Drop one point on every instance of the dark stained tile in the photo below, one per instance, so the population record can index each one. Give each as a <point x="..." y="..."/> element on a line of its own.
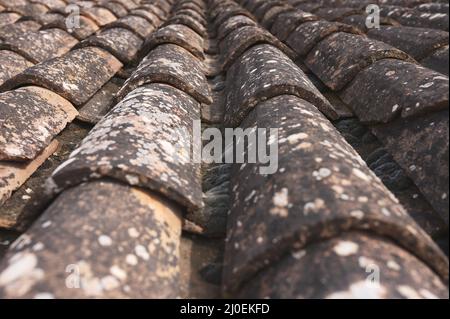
<point x="305" y="273"/>
<point x="391" y="87"/>
<point x="41" y="45"/>
<point x="264" y="72"/>
<point x="421" y="146"/>
<point x="100" y="104"/>
<point x="341" y="56"/>
<point x="287" y="22"/>
<point x="405" y="39"/>
<point x="272" y="213"/>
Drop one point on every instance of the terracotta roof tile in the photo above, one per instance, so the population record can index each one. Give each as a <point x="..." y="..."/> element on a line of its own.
<point x="41" y="45"/>
<point x="31" y="117"/>
<point x="76" y="76"/>
<point x="171" y="64"/>
<point x="12" y="64"/>
<point x="146" y="116"/>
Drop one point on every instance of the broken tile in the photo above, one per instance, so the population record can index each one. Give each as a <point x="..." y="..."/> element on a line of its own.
<point x="174" y="65"/>
<point x="264" y="72"/>
<point x="137" y="143"/>
<point x="75" y="76"/>
<point x="30" y="118"/>
<point x="341" y="56"/>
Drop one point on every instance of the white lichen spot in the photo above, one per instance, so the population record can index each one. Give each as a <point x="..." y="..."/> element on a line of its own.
<point x="118" y="272"/>
<point x="104" y="240"/>
<point x="313" y="207"/>
<point x="393" y="265"/>
<point x="395" y="108"/>
<point x="346" y="248"/>
<point x="109" y="283"/>
<point x="281" y="202"/>
<point x="358" y="214"/>
<point x="132" y="232"/>
<point x="299" y="254"/>
<point x="141" y="252"/>
<point x="295" y="138"/>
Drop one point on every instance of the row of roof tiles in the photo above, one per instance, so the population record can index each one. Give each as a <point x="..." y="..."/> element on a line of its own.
<point x="131" y="147"/>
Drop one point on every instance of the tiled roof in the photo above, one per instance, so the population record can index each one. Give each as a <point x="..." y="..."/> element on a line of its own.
<point x="96" y="201"/>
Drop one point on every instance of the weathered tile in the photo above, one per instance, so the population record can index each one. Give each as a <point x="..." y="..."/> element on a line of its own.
<point x="200" y="17"/>
<point x="15" y="30"/>
<point x="122" y="43"/>
<point x="174" y="65"/>
<point x="340" y="57"/>
<point x="421" y="146"/>
<point x="97" y="240"/>
<point x="391" y="87"/>
<point x="99" y="15"/>
<point x="333" y="192"/>
<point x="405" y="39"/>
<point x="302" y="274"/>
<point x="233" y="23"/>
<point x="116" y="8"/>
<point x="128" y="4"/>
<point x="438" y="61"/>
<point x="136" y="144"/>
<point x="228" y="12"/>
<point x="188" y="21"/>
<point x="52" y="4"/>
<point x="138" y="25"/>
<point x="433" y="7"/>
<point x="286" y="22"/>
<point x="415" y="18"/>
<point x="336" y="14"/>
<point x="306" y="36"/>
<point x="100" y="104"/>
<point x="87" y="27"/>
<point x="240" y="40"/>
<point x="42" y="45"/>
<point x="11" y="65"/>
<point x="156" y="10"/>
<point x="30" y="118"/>
<point x="14" y="174"/>
<point x="178" y="34"/>
<point x="75" y="76"/>
<point x="269" y="18"/>
<point x="264" y="72"/>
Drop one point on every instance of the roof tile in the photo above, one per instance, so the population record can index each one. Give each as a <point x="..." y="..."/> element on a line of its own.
<point x="30" y="118"/>
<point x="75" y="76"/>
